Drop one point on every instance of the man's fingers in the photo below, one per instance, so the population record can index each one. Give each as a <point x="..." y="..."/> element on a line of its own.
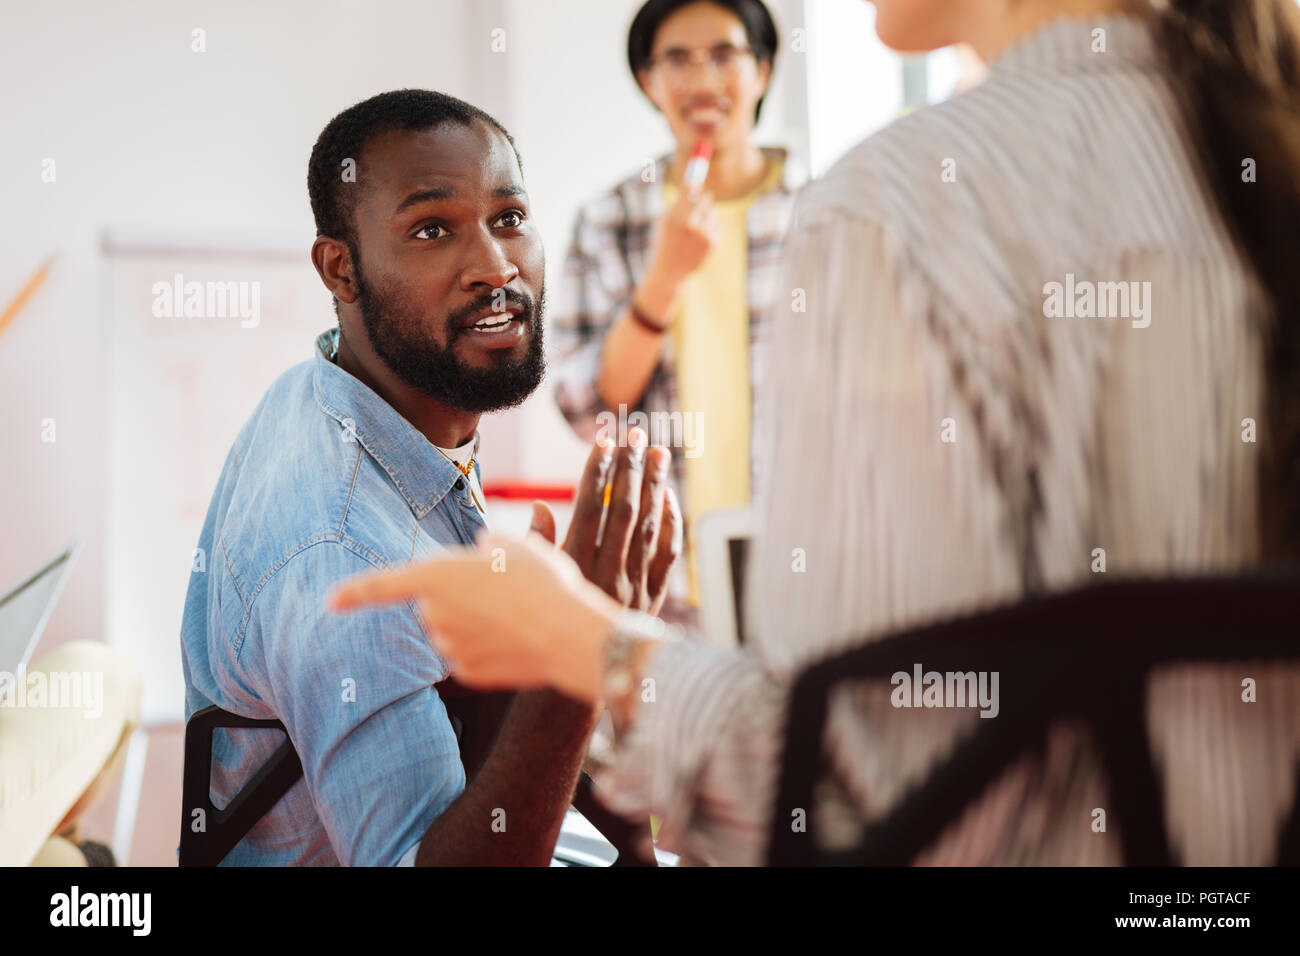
<point x="580" y="541"/>
<point x="543" y="521"/>
<point x="645" y="538"/>
<point x="666" y="551"/>
<point x="624" y="503"/>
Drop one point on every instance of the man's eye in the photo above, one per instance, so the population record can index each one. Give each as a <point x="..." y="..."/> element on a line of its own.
<point x="512" y="219"/>
<point x="425" y="228"/>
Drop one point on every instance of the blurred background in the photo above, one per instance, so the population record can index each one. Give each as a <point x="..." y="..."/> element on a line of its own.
<point x="132" y="156"/>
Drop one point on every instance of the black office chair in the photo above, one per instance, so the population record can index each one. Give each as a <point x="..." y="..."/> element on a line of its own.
<point x="223" y="828"/>
<point x="475" y="719"/>
<point x="1088" y="654"/>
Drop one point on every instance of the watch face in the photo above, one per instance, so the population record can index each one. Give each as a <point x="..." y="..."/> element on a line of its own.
<point x="619" y="681"/>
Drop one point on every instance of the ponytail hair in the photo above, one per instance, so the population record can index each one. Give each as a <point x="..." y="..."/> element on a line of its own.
<point x="1235" y="66"/>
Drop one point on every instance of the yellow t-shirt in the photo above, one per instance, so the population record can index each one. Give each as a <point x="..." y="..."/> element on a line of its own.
<point x="711" y="347"/>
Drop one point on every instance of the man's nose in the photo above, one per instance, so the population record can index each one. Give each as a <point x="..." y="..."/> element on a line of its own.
<point x="701" y="79"/>
<point x="487" y="265"/>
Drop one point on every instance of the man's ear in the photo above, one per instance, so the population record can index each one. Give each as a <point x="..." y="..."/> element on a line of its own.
<point x="333" y="262"/>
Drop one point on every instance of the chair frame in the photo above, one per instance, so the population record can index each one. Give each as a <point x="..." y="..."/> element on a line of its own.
<point x="225" y="827"/>
<point x="1089" y="653"/>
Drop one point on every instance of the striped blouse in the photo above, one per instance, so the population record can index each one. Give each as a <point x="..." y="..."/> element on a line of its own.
<point x="1028" y="337"/>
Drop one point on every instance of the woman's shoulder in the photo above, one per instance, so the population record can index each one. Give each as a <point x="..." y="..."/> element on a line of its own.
<point x="1022" y="161"/>
<point x="914" y="159"/>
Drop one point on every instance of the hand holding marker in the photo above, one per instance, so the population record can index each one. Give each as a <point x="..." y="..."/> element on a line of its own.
<point x="697" y="168"/>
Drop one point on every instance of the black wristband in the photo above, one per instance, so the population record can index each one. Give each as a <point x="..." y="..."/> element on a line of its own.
<point x="644" y="320"/>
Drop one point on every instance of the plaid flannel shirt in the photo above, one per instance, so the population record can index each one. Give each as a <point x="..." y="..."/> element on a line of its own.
<point x="607" y="258"/>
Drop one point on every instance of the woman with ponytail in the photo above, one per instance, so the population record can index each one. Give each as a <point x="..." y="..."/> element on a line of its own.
<point x="1052" y="333"/>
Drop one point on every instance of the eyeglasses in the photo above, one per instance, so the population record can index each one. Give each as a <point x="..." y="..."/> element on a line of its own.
<point x="725" y="59"/>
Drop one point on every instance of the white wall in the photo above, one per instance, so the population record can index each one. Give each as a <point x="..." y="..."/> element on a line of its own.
<point x="855" y="83"/>
<point x="151" y="138"/>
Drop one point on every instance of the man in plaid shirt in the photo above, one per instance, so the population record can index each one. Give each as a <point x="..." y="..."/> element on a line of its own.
<point x="608" y="257"/>
<point x="666" y="297"/>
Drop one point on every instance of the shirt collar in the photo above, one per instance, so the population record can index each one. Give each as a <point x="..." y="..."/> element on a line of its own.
<point x="1071" y="45"/>
<point x="419" y="471"/>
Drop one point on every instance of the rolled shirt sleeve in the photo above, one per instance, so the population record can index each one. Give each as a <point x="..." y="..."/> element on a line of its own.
<point x="355" y="693"/>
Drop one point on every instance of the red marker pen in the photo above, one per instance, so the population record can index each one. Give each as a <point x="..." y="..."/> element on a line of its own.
<point x="697" y="168"/>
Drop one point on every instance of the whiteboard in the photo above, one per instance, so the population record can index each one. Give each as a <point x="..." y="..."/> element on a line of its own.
<point x="179" y="389"/>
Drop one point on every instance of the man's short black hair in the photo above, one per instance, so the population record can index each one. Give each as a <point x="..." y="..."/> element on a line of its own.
<point x="760" y="31"/>
<point x="346" y="135"/>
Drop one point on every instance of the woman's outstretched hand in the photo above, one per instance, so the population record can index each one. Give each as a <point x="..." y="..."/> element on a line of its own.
<point x="507" y="614"/>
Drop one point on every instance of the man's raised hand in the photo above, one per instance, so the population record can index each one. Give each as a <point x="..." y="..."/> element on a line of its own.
<point x="631" y="556"/>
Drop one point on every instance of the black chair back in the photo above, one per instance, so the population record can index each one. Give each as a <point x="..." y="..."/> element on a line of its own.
<point x="209" y="834"/>
<point x="1084" y="653"/>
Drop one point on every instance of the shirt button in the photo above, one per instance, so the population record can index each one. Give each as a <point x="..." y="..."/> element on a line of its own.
<point x="460" y="484"/>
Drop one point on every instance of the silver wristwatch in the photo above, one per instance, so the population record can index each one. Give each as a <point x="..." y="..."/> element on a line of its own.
<point x="629" y="628"/>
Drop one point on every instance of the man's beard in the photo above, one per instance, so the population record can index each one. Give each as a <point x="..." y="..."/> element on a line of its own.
<point x="399" y="338"/>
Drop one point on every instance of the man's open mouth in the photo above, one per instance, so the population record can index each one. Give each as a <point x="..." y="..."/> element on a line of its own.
<point x="707" y="112"/>
<point x="493" y="322"/>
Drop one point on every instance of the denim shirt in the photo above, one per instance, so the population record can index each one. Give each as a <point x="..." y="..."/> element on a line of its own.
<point x="325" y="480"/>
